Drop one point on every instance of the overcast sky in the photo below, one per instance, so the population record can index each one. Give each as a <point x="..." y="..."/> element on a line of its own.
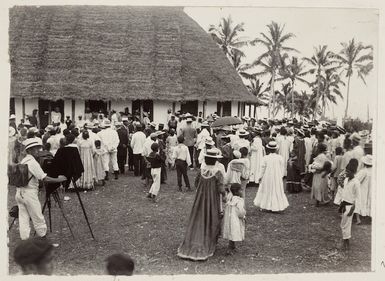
<point x="312" y="27"/>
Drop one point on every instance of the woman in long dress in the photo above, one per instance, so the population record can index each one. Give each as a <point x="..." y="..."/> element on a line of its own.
<point x="270" y="195"/>
<point x="204" y="224"/>
<point x="296" y="164"/>
<point x="257" y="153"/>
<point x="285" y="145"/>
<point x="320" y="188"/>
<point x="85" y="145"/>
<point x="171" y="143"/>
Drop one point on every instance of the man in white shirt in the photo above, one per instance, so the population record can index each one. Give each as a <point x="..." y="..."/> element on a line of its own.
<point x="27" y="198"/>
<point x="80" y="122"/>
<point x="56" y="116"/>
<point x="137" y="144"/>
<point x="110" y="142"/>
<point x="181" y="155"/>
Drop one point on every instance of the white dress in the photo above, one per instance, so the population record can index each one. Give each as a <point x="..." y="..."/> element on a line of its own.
<point x="270" y="195"/>
<point x="233" y="227"/>
<point x="256" y="159"/>
<point x="364" y="205"/>
<point x="285" y="145"/>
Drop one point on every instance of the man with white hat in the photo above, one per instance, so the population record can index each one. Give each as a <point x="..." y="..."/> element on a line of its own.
<point x="209" y="143"/>
<point x="190" y="137"/>
<point x="202" y="136"/>
<point x="110" y="142"/>
<point x="242" y="141"/>
<point x="358" y="151"/>
<point x="27" y="197"/>
<point x="12" y="121"/>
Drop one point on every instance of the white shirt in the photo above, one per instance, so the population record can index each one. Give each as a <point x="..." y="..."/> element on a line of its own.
<point x="351" y="191"/>
<point x="34" y="170"/>
<point x="181" y="152"/>
<point x="110" y="139"/>
<point x="137" y="142"/>
<point x="55" y="117"/>
<point x="201" y="138"/>
<point x="147" y="147"/>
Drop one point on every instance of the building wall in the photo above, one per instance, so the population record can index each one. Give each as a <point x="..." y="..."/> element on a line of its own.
<point x="211" y="107"/>
<point x="160" y="111"/>
<point x="68" y="109"/>
<point x="79" y="108"/>
<point x="234" y="108"/>
<point x="31" y="104"/>
<point x="18" y="110"/>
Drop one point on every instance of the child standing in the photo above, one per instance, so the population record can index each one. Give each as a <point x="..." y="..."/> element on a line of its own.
<point x="233" y="228"/>
<point x="350" y="198"/>
<point x="156" y="163"/>
<point x="336" y="170"/>
<point x="99" y="170"/>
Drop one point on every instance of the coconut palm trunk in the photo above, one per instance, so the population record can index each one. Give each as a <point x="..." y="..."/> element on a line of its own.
<point x="347" y="98"/>
<point x="272" y="93"/>
<point x="292" y="99"/>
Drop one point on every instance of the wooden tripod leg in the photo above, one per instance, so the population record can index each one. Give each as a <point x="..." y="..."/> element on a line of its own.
<point x="57" y="199"/>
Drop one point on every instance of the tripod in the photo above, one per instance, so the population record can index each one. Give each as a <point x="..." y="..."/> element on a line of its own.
<point x="57" y="199"/>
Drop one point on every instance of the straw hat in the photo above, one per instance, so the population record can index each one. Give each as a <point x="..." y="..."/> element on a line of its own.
<point x="243" y="133"/>
<point x="355" y="137"/>
<point x="367" y="160"/>
<point x="300" y="132"/>
<point x="205" y="124"/>
<point x="272" y="145"/>
<point x="213" y="153"/>
<point x="32" y="142"/>
<point x="107" y="123"/>
<point x="13" y="116"/>
<point x="209" y="141"/>
<point x="11" y="131"/>
<point x="189" y="120"/>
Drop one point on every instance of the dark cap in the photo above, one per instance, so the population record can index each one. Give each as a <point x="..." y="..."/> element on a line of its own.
<point x="32" y="250"/>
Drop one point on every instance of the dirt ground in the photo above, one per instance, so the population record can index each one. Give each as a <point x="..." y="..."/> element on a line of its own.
<point x="304" y="238"/>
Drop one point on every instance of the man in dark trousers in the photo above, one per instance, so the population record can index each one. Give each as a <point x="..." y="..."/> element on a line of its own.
<point x="123" y="145"/>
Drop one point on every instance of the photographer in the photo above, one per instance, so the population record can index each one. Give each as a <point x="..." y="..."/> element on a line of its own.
<point x="27" y="197"/>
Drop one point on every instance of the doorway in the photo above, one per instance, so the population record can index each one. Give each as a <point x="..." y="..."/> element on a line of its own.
<point x="190" y="107"/>
<point x="45" y="108"/>
<point x="148" y="106"/>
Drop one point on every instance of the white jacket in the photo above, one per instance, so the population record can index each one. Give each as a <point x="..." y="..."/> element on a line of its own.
<point x="110" y="139"/>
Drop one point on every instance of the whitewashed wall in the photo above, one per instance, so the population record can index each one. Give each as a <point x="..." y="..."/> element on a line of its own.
<point x="68" y="109"/>
<point x="234" y="108"/>
<point x="211" y="107"/>
<point x="79" y="108"/>
<point x="18" y="110"/>
<point x="31" y="104"/>
<point x="160" y="111"/>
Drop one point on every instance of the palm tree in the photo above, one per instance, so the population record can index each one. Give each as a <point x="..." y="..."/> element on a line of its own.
<point x="294" y="71"/>
<point x="282" y="98"/>
<point x="330" y="89"/>
<point x="256" y="88"/>
<point x="352" y="59"/>
<point x="322" y="61"/>
<point x="226" y="35"/>
<point x="272" y="59"/>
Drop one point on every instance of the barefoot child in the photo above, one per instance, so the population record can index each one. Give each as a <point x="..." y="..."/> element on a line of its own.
<point x="234" y="217"/>
<point x="350" y="197"/>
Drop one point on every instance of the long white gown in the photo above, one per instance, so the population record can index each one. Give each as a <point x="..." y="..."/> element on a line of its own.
<point x="256" y="157"/>
<point x="270" y="195"/>
<point x="285" y="145"/>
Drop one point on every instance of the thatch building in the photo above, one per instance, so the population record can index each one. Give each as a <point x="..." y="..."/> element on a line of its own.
<point x="113" y="57"/>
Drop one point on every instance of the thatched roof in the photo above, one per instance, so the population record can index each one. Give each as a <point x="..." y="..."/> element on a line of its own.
<point x="116" y="53"/>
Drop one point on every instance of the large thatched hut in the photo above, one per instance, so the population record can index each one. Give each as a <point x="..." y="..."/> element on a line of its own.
<point x="100" y="57"/>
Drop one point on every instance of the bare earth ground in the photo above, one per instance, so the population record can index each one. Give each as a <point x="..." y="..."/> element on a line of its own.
<point x="302" y="239"/>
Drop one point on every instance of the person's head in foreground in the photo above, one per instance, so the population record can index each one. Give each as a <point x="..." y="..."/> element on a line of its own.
<point x="120" y="264"/>
<point x="351" y="168"/>
<point x="35" y="256"/>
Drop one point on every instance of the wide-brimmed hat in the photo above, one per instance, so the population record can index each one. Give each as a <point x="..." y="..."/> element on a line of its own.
<point x="225" y="137"/>
<point x="11" y="131"/>
<point x="33" y="130"/>
<point x="107" y="123"/>
<point x="205" y="124"/>
<point x="300" y="132"/>
<point x="341" y="129"/>
<point x="158" y="133"/>
<point x="153" y="124"/>
<point x="145" y="114"/>
<point x="209" y="141"/>
<point x="12" y="116"/>
<point x="272" y="145"/>
<point x="237" y="154"/>
<point x="213" y="153"/>
<point x="367" y="160"/>
<point x="189" y="119"/>
<point x="246" y="118"/>
<point x="124" y="119"/>
<point x="32" y="142"/>
<point x="117" y="124"/>
<point x="89" y="125"/>
<point x="355" y="137"/>
<point x="49" y="128"/>
<point x="243" y="133"/>
<point x="153" y="135"/>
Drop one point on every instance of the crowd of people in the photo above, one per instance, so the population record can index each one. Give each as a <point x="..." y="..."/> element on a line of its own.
<point x="274" y="155"/>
